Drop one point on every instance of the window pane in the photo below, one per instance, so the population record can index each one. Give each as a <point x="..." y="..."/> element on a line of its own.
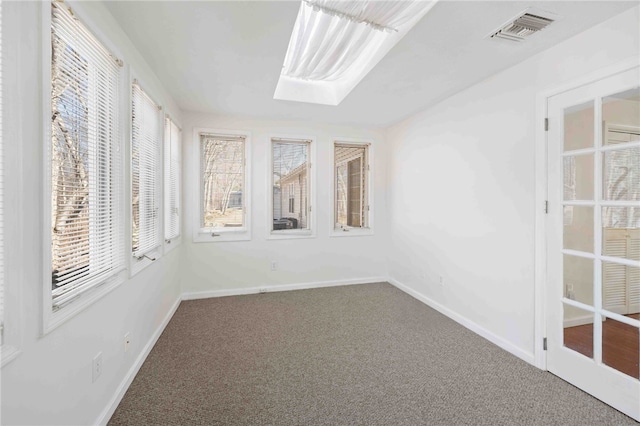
<point x="578" y="126"/>
<point x="222" y="181"/>
<point x="622" y="175"/>
<point x="172" y="164"/>
<point x="350" y="191"/>
<point x="578" y="177"/>
<point x="578" y="228"/>
<point x="578" y="279"/>
<point x="290" y="185"/>
<point x="621" y="346"/>
<point x="621" y="116"/>
<point x="145" y="162"/>
<point x="578" y="330"/>
<point x="620" y="288"/>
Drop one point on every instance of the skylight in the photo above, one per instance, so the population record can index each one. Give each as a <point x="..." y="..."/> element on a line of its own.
<point x="335" y="43"/>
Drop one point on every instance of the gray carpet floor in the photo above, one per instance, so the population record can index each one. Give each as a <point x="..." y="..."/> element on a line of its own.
<point x="354" y="355"/>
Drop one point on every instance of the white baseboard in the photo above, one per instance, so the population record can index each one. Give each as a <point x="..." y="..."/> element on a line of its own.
<point x="581" y="320"/>
<point x="122" y="389"/>
<point x="466" y="322"/>
<point x="281" y="287"/>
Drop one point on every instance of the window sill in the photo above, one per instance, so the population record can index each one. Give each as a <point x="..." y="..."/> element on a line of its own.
<point x="172" y="244"/>
<point x="291" y="235"/>
<point x="206" y="236"/>
<point x="55" y="319"/>
<point x="7" y="354"/>
<point x="137" y="265"/>
<point x="352" y="232"/>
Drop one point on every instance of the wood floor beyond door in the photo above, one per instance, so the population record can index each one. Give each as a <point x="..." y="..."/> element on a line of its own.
<point x="620" y="344"/>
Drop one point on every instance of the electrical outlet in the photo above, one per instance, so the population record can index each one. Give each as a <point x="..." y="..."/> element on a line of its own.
<point x="97" y="367"/>
<point x="262" y="290"/>
<point x="274" y="265"/>
<point x="127" y="342"/>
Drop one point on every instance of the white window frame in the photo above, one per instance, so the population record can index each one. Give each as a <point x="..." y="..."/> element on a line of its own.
<point x="172" y="243"/>
<point x="369" y="199"/>
<point x="51" y="319"/>
<point x="206" y="235"/>
<point x="286" y="234"/>
<point x="11" y="155"/>
<point x="140" y="262"/>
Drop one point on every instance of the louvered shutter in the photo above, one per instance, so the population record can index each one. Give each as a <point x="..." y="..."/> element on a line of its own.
<point x="86" y="181"/>
<point x="621" y="283"/>
<point x="145" y="163"/>
<point x="172" y="161"/>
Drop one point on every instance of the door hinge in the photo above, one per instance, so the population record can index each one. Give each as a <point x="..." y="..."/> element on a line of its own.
<point x="546" y="124"/>
<point x="544" y="343"/>
<point x="546" y="207"/>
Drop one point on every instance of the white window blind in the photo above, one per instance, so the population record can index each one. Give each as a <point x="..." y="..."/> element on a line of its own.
<point x="223" y="181"/>
<point x="86" y="182"/>
<point x="145" y="163"/>
<point x="172" y="170"/>
<point x="351" y="198"/>
<point x="291" y="184"/>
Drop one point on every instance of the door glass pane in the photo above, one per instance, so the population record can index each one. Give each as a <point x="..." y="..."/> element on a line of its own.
<point x="578" y="279"/>
<point x="578" y="330"/>
<point x="621" y="232"/>
<point x="620" y="288"/>
<point x="578" y="126"/>
<point x="621" y="174"/>
<point x="578" y="177"/>
<point x="578" y="228"/>
<point x="621" y="346"/>
<point x="621" y="117"/>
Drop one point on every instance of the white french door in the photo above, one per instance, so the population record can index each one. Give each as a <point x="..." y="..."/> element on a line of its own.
<point x="593" y="239"/>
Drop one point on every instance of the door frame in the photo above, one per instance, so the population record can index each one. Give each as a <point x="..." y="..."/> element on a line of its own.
<point x="540" y="237"/>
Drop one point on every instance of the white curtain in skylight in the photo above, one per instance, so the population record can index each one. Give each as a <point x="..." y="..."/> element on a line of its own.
<point x="330" y="37"/>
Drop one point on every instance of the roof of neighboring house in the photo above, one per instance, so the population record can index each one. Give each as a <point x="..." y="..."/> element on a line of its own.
<point x="302" y="168"/>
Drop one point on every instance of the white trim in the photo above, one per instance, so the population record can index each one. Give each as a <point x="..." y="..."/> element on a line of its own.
<point x="541" y="196"/>
<point x="466" y="322"/>
<point x="270" y="288"/>
<point x="310" y="232"/>
<point x="13" y="123"/>
<point x="106" y="414"/>
<point x="244" y="233"/>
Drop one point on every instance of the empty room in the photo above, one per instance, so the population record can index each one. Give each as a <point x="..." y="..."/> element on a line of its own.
<point x="320" y="212"/>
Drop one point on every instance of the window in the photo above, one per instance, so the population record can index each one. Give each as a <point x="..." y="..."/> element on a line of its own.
<point x="351" y="164"/>
<point x="172" y="161"/>
<point x="86" y="228"/>
<point x="145" y="163"/>
<point x="224" y="194"/>
<point x="291" y="185"/>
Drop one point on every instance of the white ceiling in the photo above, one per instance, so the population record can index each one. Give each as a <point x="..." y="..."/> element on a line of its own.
<point x="225" y="56"/>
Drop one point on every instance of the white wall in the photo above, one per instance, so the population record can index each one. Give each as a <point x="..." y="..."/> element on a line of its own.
<point x="50" y="380"/>
<point x="461" y="193"/>
<point x="239" y="266"/>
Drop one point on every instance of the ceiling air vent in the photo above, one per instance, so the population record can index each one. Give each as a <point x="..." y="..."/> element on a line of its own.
<point x="524" y="25"/>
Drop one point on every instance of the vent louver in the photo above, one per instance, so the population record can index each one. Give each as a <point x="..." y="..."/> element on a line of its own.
<point x="522" y="27"/>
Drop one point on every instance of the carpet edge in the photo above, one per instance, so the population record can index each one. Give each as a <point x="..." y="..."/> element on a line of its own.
<point x="194" y="295"/>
